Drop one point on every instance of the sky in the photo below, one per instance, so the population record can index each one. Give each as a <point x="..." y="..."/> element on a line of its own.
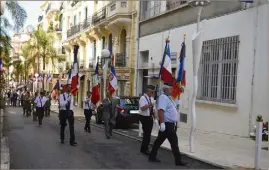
<point x="32" y="9"/>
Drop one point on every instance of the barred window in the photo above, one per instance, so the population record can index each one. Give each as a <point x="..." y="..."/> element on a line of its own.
<point x="218" y="70"/>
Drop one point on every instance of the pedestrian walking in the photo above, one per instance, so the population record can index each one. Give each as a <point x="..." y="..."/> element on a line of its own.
<point x="146" y="116"/>
<point x="88" y="112"/>
<point x="66" y="103"/>
<point x="40" y="106"/>
<point x="23" y="103"/>
<point x="27" y="104"/>
<point x="48" y="105"/>
<point x="168" y="117"/>
<point x="108" y="116"/>
<point x="34" y="106"/>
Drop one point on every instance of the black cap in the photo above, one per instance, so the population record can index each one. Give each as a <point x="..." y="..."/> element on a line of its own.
<point x="168" y="84"/>
<point x="151" y="87"/>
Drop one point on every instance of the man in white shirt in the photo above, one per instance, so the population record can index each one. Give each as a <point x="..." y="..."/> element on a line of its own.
<point x="40" y="105"/>
<point x="146" y="117"/>
<point x="88" y="106"/>
<point x="66" y="103"/>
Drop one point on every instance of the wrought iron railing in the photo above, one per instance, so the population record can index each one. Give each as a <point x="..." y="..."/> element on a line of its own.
<point x="87" y="23"/>
<point x="99" y="16"/>
<point x="174" y="4"/>
<point x="75" y="29"/>
<point x="120" y="60"/>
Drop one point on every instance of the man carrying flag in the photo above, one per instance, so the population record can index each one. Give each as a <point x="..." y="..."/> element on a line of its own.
<point x="167" y="111"/>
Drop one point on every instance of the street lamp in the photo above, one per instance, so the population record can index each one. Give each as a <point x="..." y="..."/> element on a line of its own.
<point x="105" y="55"/>
<point x="196" y="54"/>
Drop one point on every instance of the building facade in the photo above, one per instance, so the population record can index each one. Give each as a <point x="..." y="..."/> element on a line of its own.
<point x="50" y="20"/>
<point x="233" y="79"/>
<point x="97" y="25"/>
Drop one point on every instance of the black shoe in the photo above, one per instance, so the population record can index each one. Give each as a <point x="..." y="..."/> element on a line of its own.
<point x="85" y="129"/>
<point x="62" y="141"/>
<point x="145" y="152"/>
<point x="108" y="137"/>
<point x="181" y="163"/>
<point x="89" y="131"/>
<point x="73" y="143"/>
<point x="154" y="160"/>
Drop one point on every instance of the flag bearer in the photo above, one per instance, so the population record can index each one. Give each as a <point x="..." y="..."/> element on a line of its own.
<point x="146" y="117"/>
<point x="108" y="116"/>
<point x="168" y="117"/>
<point x="66" y="103"/>
<point x="88" y="112"/>
<point x="34" y="107"/>
<point x="40" y="106"/>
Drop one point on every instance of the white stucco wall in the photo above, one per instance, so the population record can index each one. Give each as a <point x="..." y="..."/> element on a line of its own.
<point x="216" y="117"/>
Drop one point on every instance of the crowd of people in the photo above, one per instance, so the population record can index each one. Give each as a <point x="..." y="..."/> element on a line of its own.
<point x="164" y="114"/>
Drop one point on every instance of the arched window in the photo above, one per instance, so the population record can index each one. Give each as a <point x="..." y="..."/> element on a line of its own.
<point x="123" y="42"/>
<point x="110" y="43"/>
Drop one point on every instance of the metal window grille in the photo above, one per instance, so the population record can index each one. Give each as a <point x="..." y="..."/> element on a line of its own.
<point x="173" y="4"/>
<point x="218" y="70"/>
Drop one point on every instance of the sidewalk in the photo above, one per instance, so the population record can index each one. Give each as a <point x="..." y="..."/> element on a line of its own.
<point x="224" y="150"/>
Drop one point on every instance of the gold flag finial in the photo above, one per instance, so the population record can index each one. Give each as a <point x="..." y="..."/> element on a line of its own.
<point x="184" y="36"/>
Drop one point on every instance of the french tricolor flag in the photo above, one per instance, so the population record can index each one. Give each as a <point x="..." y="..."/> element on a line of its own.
<point x="113" y="82"/>
<point x="74" y="73"/>
<point x="166" y="66"/>
<point x="95" y="86"/>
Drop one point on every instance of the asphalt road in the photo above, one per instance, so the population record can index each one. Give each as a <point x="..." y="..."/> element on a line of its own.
<point x="33" y="147"/>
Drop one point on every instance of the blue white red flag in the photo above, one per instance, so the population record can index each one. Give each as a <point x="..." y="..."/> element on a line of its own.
<point x="95" y="86"/>
<point x="166" y="66"/>
<point x="113" y="82"/>
<point x="74" y="73"/>
<point x="1" y="65"/>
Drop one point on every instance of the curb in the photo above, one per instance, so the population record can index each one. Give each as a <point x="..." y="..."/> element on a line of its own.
<point x="5" y="154"/>
<point x="168" y="149"/>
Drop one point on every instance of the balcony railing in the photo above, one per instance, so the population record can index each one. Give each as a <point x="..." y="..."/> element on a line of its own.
<point x="120" y="60"/>
<point x="74" y="29"/>
<point x="81" y="64"/>
<point x="87" y="23"/>
<point x="174" y="4"/>
<point x="40" y="18"/>
<point x="99" y="16"/>
<point x="117" y="7"/>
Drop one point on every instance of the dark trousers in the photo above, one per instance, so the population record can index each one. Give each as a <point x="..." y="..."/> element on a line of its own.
<point x="147" y="123"/>
<point x="67" y="115"/>
<point x="40" y="114"/>
<point x="34" y="115"/>
<point x="108" y="127"/>
<point x="170" y="134"/>
<point x="47" y="111"/>
<point x="88" y="116"/>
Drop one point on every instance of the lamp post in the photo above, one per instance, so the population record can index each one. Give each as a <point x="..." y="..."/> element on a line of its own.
<point x="196" y="53"/>
<point x="105" y="55"/>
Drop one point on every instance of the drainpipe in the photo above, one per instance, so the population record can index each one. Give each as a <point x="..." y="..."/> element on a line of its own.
<point x="253" y="66"/>
<point x="137" y="47"/>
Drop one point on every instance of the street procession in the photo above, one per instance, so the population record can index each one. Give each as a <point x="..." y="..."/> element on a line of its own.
<point x="133" y="84"/>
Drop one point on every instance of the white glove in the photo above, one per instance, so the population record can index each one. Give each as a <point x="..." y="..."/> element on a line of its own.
<point x="156" y="123"/>
<point x="162" y="127"/>
<point x="34" y="110"/>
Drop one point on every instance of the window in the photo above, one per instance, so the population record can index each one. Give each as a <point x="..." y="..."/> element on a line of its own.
<point x="94" y="49"/>
<point x="103" y="42"/>
<point x="150" y="9"/>
<point x="218" y="70"/>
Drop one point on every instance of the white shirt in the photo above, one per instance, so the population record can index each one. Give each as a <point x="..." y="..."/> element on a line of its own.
<point x="169" y="107"/>
<point x="64" y="99"/>
<point x="144" y="100"/>
<point x="40" y="101"/>
<point x="87" y="104"/>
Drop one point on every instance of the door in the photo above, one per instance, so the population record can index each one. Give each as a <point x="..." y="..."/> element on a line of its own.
<point x="110" y="43"/>
<point x="145" y="81"/>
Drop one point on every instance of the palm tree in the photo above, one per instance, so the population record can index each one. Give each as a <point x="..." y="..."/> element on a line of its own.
<point x="39" y="47"/>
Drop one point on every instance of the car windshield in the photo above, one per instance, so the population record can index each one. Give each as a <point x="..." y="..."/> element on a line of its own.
<point x="124" y="102"/>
